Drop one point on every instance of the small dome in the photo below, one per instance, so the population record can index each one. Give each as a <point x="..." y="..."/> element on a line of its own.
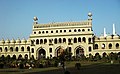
<point x="7" y="41"/>
<point x="116" y="36"/>
<point x="28" y="40"/>
<point x="109" y="37"/>
<point x="35" y="18"/>
<point x="102" y="37"/>
<point x="18" y="40"/>
<point x="12" y="41"/>
<point x="2" y="41"/>
<point x="23" y="40"/>
<point x="89" y="14"/>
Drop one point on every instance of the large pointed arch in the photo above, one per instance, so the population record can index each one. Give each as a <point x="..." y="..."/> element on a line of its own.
<point x="58" y="51"/>
<point x="41" y="53"/>
<point x="79" y="51"/>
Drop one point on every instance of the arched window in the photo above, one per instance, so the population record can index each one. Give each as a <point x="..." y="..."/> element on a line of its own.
<point x="75" y="30"/>
<point x="20" y="56"/>
<point x="103" y="46"/>
<point x="14" y="57"/>
<point x="104" y="54"/>
<point x="43" y="32"/>
<point x="22" y="48"/>
<point x="32" y="57"/>
<point x="84" y="39"/>
<point x="16" y="49"/>
<point x="41" y="41"/>
<point x="28" y="48"/>
<point x="55" y="40"/>
<point x="75" y="40"/>
<point x="32" y="50"/>
<point x="56" y="31"/>
<point x="64" y="40"/>
<point x="117" y="46"/>
<point x="34" y="32"/>
<point x="26" y="56"/>
<point x="69" y="40"/>
<point x="60" y="31"/>
<point x="88" y="29"/>
<point x="69" y="49"/>
<point x="39" y="32"/>
<point x="64" y="30"/>
<point x="6" y="49"/>
<point x="46" y="31"/>
<point x="50" y="50"/>
<point x="89" y="40"/>
<point x="79" y="39"/>
<point x="79" y="30"/>
<point x="69" y="30"/>
<point x="83" y="30"/>
<point x="11" y="49"/>
<point x="110" y="46"/>
<point x="45" y="41"/>
<point x="0" y="49"/>
<point x="60" y="40"/>
<point x="37" y="41"/>
<point x="90" y="49"/>
<point x="96" y="46"/>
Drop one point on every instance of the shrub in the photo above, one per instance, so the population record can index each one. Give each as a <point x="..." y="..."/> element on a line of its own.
<point x="66" y="72"/>
<point x="78" y="65"/>
<point x="56" y="63"/>
<point x="21" y="66"/>
<point x="40" y="65"/>
<point x="1" y="65"/>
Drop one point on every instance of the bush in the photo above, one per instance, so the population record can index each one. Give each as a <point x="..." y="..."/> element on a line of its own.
<point x="66" y="72"/>
<point x="21" y="66"/>
<point x="56" y="63"/>
<point x="78" y="65"/>
<point x="40" y="65"/>
<point x="1" y="65"/>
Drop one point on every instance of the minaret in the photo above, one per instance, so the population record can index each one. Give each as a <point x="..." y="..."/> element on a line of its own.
<point x="105" y="32"/>
<point x="114" y="30"/>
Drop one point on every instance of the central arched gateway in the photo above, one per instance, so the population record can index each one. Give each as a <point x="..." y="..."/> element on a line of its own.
<point x="79" y="51"/>
<point x="58" y="51"/>
<point x="41" y="53"/>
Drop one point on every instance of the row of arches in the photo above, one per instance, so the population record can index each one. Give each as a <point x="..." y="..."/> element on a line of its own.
<point x="63" y="40"/>
<point x="110" y="46"/>
<point x="104" y="54"/>
<point x="78" y="51"/>
<point x="11" y="49"/>
<point x="19" y="56"/>
<point x="62" y="31"/>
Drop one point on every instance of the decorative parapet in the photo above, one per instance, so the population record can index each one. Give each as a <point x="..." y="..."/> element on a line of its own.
<point x="62" y="24"/>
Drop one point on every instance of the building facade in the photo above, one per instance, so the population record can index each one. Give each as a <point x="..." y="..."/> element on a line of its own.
<point x="51" y="39"/>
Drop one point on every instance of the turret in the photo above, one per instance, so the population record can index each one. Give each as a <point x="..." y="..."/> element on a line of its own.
<point x="114" y="33"/>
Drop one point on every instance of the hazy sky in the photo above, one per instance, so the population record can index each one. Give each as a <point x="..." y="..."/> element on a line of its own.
<point x="16" y="16"/>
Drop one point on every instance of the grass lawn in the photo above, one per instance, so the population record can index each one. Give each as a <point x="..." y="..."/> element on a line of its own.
<point x="87" y="68"/>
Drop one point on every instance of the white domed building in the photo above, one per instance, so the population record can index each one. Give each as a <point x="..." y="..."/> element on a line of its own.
<point x="51" y="39"/>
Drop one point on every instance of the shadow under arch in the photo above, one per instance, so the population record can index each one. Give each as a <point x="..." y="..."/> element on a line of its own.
<point x="58" y="51"/>
<point x="41" y="53"/>
<point x="79" y="51"/>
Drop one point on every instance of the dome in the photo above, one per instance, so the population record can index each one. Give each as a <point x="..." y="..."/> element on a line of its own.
<point x="2" y="41"/>
<point x="28" y="40"/>
<point x="7" y="41"/>
<point x="23" y="40"/>
<point x="102" y="37"/>
<point x="89" y="14"/>
<point x="35" y="18"/>
<point x="116" y="36"/>
<point x="109" y="37"/>
<point x="12" y="41"/>
<point x="18" y="40"/>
